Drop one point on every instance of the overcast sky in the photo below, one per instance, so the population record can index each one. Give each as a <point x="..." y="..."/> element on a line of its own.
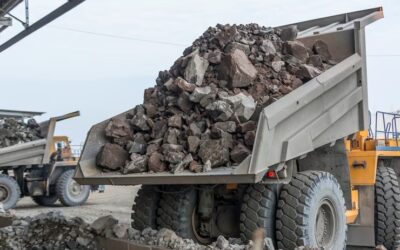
<point x="59" y="70"/>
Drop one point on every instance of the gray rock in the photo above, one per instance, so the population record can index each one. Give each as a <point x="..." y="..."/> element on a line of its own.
<point x="308" y="71"/>
<point x="182" y="165"/>
<point x="184" y="102"/>
<point x="193" y="144"/>
<point x="219" y="110"/>
<point x="199" y="93"/>
<point x="289" y="33"/>
<point x="194" y="129"/>
<point x="172" y="136"/>
<point x="102" y="223"/>
<point x="175" y="121"/>
<point x="139" y="145"/>
<point x="268" y="47"/>
<point x="228" y="126"/>
<point x="237" y="69"/>
<point x="244" y="106"/>
<point x="316" y="61"/>
<point x="170" y="85"/>
<point x="138" y="164"/>
<point x="227" y="35"/>
<point x="207" y="166"/>
<point x="215" y="151"/>
<point x="159" y="129"/>
<point x="206" y="100"/>
<point x="196" y="68"/>
<point x="183" y="85"/>
<point x="277" y="65"/>
<point x="222" y="243"/>
<point x="120" y="231"/>
<point x="139" y="122"/>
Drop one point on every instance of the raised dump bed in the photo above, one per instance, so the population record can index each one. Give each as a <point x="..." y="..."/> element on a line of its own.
<point x="327" y="108"/>
<point x="35" y="152"/>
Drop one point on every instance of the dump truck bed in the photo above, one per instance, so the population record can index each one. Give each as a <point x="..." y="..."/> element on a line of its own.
<point x="35" y="152"/>
<point x="327" y="108"/>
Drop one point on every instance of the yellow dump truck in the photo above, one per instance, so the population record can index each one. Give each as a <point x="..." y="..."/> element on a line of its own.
<point x="316" y="176"/>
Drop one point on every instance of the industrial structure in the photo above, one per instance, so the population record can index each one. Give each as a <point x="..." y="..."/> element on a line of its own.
<point x="8" y="20"/>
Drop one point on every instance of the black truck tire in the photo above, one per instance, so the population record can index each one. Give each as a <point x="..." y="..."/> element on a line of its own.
<point x="176" y="209"/>
<point x="387" y="208"/>
<point x="144" y="210"/>
<point x="258" y="211"/>
<point x="45" y="200"/>
<point x="10" y="193"/>
<point x="69" y="192"/>
<point x="311" y="212"/>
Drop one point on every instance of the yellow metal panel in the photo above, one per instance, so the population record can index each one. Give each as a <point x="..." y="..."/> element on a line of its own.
<point x="363" y="166"/>
<point x="351" y="215"/>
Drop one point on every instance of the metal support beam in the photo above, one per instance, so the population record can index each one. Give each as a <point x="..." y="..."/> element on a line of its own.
<point x="69" y="5"/>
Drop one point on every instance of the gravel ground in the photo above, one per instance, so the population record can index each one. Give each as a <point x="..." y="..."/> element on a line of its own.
<point x="116" y="201"/>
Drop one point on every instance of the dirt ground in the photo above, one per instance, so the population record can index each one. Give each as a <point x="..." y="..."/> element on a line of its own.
<point x="116" y="201"/>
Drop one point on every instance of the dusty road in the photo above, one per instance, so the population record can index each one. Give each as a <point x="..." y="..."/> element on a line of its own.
<point x="116" y="201"/>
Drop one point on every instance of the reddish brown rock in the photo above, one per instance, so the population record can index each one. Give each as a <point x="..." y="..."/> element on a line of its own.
<point x="297" y="49"/>
<point x="249" y="138"/>
<point x="237" y="70"/>
<point x="156" y="163"/>
<point x="239" y="153"/>
<point x="119" y="130"/>
<point x="195" y="167"/>
<point x="247" y="126"/>
<point x="112" y="157"/>
<point x="322" y="49"/>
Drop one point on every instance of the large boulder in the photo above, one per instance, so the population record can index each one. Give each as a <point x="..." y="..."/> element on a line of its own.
<point x="215" y="151"/>
<point x="112" y="157"/>
<point x="237" y="69"/>
<point x="196" y="68"/>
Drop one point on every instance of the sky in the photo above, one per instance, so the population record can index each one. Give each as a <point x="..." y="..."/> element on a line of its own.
<point x="68" y="66"/>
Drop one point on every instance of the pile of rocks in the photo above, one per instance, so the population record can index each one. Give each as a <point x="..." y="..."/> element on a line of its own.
<point x="54" y="231"/>
<point x="13" y="131"/>
<point x="203" y="112"/>
<point x="47" y="231"/>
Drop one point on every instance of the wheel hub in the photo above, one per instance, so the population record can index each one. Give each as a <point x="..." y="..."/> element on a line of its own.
<point x="200" y="229"/>
<point x="3" y="193"/>
<point x="325" y="224"/>
<point x="74" y="188"/>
